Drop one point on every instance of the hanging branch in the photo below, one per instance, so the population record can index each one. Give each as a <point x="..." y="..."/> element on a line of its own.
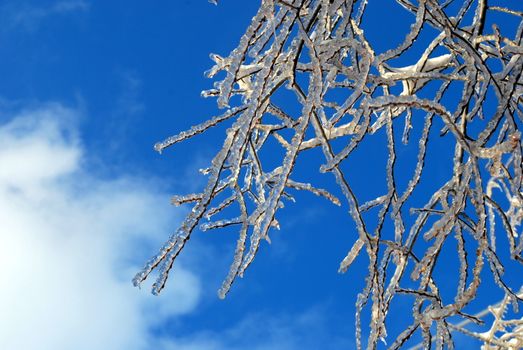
<point x="314" y="47"/>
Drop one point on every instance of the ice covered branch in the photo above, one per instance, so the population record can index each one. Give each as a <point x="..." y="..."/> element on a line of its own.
<point x="465" y="87"/>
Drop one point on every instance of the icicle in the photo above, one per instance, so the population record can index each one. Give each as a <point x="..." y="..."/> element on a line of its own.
<point x="317" y="191"/>
<point x="353" y="253"/>
<point x="198" y="129"/>
<point x="219" y="224"/>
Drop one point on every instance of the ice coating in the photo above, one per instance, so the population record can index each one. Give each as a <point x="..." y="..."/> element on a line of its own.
<point x="310" y="48"/>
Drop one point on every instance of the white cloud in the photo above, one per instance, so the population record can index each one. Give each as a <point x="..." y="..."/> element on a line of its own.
<point x="262" y="331"/>
<point x="69" y="243"/>
<point x="20" y="14"/>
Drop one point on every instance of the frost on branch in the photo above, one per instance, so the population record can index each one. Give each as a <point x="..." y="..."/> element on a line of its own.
<point x="464" y="87"/>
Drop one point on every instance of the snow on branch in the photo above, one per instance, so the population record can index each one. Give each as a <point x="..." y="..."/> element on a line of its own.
<point x="310" y="48"/>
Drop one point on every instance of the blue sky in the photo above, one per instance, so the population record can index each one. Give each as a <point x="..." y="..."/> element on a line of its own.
<point x="87" y="87"/>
